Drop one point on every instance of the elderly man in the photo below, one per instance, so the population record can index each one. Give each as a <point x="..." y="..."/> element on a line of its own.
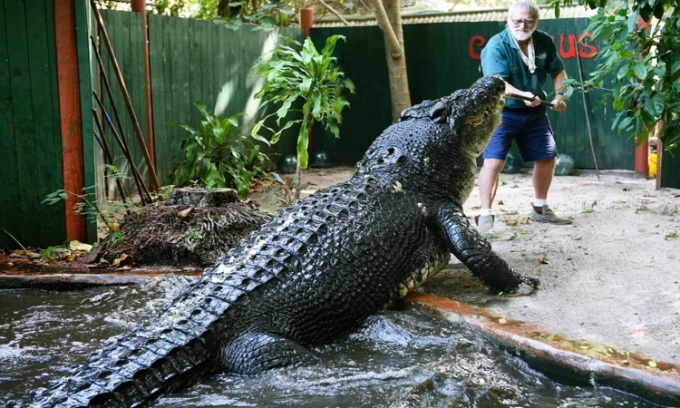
<point x="523" y="57"/>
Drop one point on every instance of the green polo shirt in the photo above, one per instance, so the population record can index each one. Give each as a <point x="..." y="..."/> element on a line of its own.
<point x="501" y="57"/>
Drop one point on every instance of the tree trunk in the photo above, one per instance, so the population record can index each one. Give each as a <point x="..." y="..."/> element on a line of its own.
<point x="389" y="20"/>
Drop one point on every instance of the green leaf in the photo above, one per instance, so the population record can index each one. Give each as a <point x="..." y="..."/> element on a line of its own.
<point x="640" y="71"/>
<point x="654" y="105"/>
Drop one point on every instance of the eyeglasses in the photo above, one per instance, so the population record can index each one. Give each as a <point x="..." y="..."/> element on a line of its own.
<point x="527" y="22"/>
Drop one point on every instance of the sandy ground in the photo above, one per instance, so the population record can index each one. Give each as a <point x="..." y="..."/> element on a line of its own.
<point x="612" y="278"/>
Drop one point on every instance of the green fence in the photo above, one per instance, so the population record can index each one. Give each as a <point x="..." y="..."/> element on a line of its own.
<point x="30" y="140"/>
<point x="194" y="60"/>
<point x="191" y="61"/>
<point x="443" y="57"/>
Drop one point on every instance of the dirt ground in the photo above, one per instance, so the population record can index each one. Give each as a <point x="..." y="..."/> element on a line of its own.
<point x="612" y="278"/>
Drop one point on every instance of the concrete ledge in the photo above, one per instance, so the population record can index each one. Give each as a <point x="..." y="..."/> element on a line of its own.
<point x="21" y="278"/>
<point x="561" y="358"/>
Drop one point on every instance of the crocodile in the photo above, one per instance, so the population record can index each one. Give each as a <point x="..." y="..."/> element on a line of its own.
<point x="320" y="267"/>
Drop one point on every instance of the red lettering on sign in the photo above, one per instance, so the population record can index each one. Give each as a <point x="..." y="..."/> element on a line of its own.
<point x="586" y="50"/>
<point x="569" y="52"/>
<point x="567" y="46"/>
<point x="475" y="45"/>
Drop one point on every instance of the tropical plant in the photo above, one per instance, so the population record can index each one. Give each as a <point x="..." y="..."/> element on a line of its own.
<point x="216" y="154"/>
<point x="642" y="65"/>
<point x="305" y="76"/>
<point x="106" y="212"/>
<point x="286" y="191"/>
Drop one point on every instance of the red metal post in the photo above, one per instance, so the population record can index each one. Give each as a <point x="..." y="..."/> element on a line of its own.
<point x="642" y="158"/>
<point x="69" y="115"/>
<point x="306" y="20"/>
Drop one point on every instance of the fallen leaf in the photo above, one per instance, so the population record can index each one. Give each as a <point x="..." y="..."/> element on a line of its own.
<point x="79" y="246"/>
<point x="121" y="260"/>
<point x="518" y="250"/>
<point x="185" y="213"/>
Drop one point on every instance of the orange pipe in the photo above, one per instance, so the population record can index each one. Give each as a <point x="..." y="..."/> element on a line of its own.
<point x="306" y="20"/>
<point x="641" y="158"/>
<point x="69" y="115"/>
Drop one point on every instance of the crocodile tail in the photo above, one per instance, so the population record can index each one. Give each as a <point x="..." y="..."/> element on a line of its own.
<point x="171" y="352"/>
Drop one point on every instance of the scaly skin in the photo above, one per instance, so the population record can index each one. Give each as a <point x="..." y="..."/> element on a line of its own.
<point x="320" y="267"/>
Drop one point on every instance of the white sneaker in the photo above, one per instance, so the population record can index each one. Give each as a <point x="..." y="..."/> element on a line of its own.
<point x="484" y="223"/>
<point x="547" y="215"/>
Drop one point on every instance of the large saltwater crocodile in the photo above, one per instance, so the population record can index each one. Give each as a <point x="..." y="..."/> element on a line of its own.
<point x="320" y="267"/>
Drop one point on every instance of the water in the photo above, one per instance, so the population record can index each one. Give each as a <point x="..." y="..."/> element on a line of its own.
<point x="402" y="358"/>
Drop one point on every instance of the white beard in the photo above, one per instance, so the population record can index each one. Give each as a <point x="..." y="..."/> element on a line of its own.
<point x="522" y="35"/>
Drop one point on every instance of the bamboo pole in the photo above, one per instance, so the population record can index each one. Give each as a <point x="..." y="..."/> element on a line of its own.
<point x="126" y="96"/>
<point x="108" y="158"/>
<point x="585" y="111"/>
<point x="143" y="190"/>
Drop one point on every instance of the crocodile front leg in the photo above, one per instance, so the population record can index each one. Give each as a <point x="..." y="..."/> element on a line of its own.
<point x="475" y="252"/>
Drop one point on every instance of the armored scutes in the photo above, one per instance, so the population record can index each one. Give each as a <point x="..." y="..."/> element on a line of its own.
<point x="320" y="267"/>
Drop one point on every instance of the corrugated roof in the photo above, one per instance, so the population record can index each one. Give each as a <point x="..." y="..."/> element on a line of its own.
<point x="425" y="17"/>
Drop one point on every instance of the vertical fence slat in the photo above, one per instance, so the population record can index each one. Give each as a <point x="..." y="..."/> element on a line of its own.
<point x="30" y="139"/>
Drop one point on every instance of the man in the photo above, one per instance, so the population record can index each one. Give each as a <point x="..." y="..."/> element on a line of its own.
<point x="523" y="57"/>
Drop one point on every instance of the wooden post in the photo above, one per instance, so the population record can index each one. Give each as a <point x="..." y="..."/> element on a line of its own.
<point x="139" y="6"/>
<point x="70" y="118"/>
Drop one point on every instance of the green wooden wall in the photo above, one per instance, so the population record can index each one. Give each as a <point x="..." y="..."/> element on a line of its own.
<point x="202" y="61"/>
<point x="443" y="57"/>
<point x="191" y="61"/>
<point x="30" y="139"/>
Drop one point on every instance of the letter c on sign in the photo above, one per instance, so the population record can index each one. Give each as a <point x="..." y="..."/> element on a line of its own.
<point x="475" y="46"/>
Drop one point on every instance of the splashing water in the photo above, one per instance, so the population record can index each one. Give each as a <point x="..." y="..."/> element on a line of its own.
<point x="400" y="359"/>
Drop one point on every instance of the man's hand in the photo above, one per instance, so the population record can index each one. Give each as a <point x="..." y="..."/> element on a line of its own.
<point x="534" y="102"/>
<point x="559" y="103"/>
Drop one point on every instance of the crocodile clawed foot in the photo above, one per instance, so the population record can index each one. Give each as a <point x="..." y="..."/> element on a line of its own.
<point x="526" y="287"/>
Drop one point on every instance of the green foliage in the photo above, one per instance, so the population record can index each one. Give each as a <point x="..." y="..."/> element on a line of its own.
<point x="53" y="253"/>
<point x="106" y="211"/>
<point x="286" y="192"/>
<point x="307" y="76"/>
<point x="216" y="154"/>
<point x="641" y="65"/>
<point x="192" y="234"/>
<point x="164" y="192"/>
<point x="186" y="8"/>
<point x="266" y="17"/>
<point x="115" y="238"/>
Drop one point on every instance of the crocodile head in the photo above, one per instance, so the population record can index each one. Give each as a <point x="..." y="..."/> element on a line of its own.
<point x="434" y="145"/>
<point x="471" y="114"/>
<point x="478" y="113"/>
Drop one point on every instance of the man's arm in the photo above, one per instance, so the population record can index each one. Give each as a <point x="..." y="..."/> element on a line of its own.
<point x="559" y="102"/>
<point x="532" y="103"/>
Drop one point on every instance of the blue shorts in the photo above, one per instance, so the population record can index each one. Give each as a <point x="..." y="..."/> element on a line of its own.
<point x="530" y="128"/>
